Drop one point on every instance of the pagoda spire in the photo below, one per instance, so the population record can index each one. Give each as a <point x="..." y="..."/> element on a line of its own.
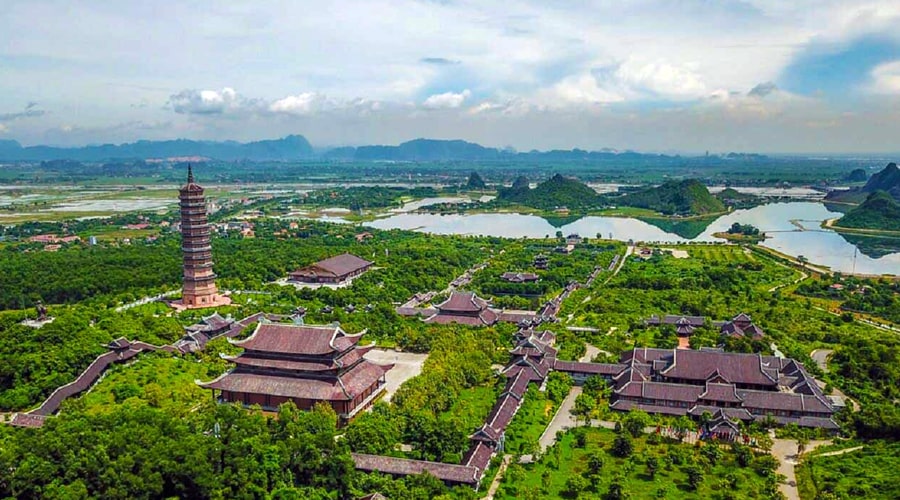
<point x="190" y="174"/>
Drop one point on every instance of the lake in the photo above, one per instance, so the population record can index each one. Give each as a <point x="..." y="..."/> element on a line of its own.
<point x="820" y="246"/>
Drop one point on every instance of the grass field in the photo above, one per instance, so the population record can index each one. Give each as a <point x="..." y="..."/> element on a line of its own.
<point x="550" y="477"/>
<point x="867" y="473"/>
<point x="526" y="427"/>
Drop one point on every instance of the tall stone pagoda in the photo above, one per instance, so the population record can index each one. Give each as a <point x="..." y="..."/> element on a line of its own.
<point x="199" y="282"/>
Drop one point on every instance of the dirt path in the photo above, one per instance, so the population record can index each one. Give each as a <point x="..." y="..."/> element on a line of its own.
<point x="495" y="484"/>
<point x="839" y="452"/>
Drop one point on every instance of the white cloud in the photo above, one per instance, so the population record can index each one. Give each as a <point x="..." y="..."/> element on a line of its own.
<point x="446" y="100"/>
<point x="528" y="62"/>
<point x="580" y="89"/>
<point x="205" y="102"/>
<point x="661" y="78"/>
<point x="3" y="129"/>
<point x="300" y="104"/>
<point x="886" y="78"/>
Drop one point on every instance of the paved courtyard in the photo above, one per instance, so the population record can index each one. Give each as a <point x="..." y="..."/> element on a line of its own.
<point x="406" y="366"/>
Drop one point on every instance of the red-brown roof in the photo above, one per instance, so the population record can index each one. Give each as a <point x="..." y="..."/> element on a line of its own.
<point x="339" y="265"/>
<point x="502" y="413"/>
<point x="463" y="302"/>
<point x="325" y="364"/>
<point x="350" y="384"/>
<point x="720" y="392"/>
<point x="591" y="368"/>
<point x="479" y="456"/>
<point x="733" y="367"/>
<point x="461" y="474"/>
<point x="299" y="339"/>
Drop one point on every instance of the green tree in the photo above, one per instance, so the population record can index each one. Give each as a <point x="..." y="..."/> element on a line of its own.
<point x="635" y="421"/>
<point x="622" y="446"/>
<point x="694" y="476"/>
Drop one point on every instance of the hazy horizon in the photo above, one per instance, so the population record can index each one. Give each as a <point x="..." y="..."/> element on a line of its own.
<point x="757" y="76"/>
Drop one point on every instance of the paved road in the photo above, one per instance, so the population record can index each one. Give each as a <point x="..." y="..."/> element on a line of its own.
<point x="561" y="421"/>
<point x="785" y="450"/>
<point x="591" y="352"/>
<point x="820" y="356"/>
<point x="406" y="366"/>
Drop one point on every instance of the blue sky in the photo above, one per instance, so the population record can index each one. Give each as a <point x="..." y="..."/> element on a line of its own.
<point x="687" y="76"/>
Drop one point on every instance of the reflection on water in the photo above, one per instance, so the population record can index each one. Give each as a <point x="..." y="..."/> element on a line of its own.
<point x="820" y="246"/>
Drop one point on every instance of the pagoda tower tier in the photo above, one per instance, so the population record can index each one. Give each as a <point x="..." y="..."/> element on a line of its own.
<point x="199" y="280"/>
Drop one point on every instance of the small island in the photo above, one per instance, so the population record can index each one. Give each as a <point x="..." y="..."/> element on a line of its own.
<point x="742" y="233"/>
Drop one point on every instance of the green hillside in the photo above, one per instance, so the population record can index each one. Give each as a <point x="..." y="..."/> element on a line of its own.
<point x="556" y="192"/>
<point x="879" y="211"/>
<point x="688" y="197"/>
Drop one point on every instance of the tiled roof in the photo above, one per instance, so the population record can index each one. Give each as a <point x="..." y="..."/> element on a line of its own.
<point x="298" y="339"/>
<point x="670" y="392"/>
<point x="479" y="456"/>
<point x="591" y="368"/>
<point x="461" y="474"/>
<point x="720" y="392"/>
<point x="786" y="401"/>
<point x="348" y="386"/>
<point x="699" y="365"/>
<point x="518" y="385"/>
<point x="325" y="364"/>
<point x="27" y="420"/>
<point x="463" y="302"/>
<point x="732" y="413"/>
<point x="502" y="413"/>
<point x="339" y="265"/>
<point x="674" y="319"/>
<point x="625" y="405"/>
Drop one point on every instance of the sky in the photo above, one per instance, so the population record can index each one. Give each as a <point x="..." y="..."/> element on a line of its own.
<point x="769" y="76"/>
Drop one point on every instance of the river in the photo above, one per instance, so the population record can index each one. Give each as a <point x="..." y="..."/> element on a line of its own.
<point x="792" y="228"/>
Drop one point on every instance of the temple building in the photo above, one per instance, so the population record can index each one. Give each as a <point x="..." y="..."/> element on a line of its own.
<point x="741" y="326"/>
<point x="199" y="281"/>
<point x="334" y="270"/>
<point x="513" y="277"/>
<point x="304" y="364"/>
<point x="465" y="308"/>
<point x="747" y="387"/>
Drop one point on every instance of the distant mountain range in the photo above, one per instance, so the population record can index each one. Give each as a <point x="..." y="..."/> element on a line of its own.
<point x="292" y="147"/>
<point x="296" y="147"/>
<point x="441" y="150"/>
<point x="888" y="180"/>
